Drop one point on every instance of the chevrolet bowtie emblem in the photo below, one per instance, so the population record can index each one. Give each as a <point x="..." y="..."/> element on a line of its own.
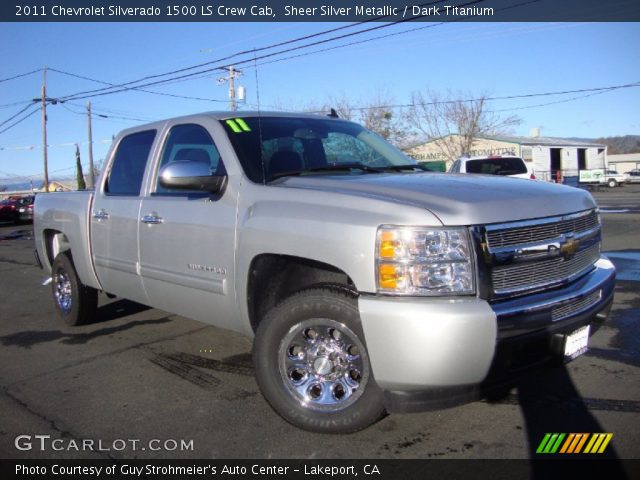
<point x="569" y="248"/>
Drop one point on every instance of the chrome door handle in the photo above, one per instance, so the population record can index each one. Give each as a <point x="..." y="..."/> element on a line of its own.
<point x="152" y="219"/>
<point x="100" y="215"/>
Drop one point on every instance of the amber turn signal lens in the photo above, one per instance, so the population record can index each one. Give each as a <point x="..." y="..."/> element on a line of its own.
<point x="388" y="277"/>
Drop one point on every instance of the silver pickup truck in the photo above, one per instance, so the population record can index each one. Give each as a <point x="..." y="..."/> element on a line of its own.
<point x="368" y="284"/>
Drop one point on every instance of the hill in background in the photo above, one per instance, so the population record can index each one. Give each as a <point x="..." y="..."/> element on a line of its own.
<point x="617" y="145"/>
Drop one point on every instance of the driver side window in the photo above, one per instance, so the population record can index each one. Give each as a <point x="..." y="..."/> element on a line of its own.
<point x="189" y="143"/>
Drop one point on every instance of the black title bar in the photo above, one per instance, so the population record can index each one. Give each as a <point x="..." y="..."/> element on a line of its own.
<point x="319" y="10"/>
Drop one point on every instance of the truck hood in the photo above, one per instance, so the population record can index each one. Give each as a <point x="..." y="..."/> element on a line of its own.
<point x="456" y="199"/>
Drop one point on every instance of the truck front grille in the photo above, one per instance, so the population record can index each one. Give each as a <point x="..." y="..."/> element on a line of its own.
<point x="533" y="275"/>
<point x="522" y="257"/>
<point x="544" y="231"/>
<point x="575" y="306"/>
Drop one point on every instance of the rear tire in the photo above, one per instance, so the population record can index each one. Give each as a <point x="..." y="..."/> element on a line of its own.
<point x="76" y="304"/>
<point x="312" y="365"/>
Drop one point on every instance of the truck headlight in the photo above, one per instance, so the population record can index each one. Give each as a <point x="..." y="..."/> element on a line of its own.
<point x="424" y="261"/>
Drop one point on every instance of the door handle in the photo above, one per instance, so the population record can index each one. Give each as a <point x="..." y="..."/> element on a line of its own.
<point x="100" y="215"/>
<point x="152" y="219"/>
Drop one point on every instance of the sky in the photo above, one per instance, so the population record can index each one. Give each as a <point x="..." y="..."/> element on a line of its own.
<point x="466" y="59"/>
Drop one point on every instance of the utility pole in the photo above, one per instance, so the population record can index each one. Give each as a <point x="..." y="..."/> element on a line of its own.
<point x="233" y="74"/>
<point x="91" y="177"/>
<point x="44" y="129"/>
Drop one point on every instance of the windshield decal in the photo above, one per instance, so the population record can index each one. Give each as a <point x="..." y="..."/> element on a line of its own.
<point x="238" y="125"/>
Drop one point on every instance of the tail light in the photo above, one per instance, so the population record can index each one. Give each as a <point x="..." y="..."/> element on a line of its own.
<point x="533" y="176"/>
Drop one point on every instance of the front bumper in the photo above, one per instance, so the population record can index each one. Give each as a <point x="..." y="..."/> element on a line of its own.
<point x="422" y="349"/>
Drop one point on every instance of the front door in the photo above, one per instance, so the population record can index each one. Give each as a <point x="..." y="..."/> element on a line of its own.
<point x="187" y="238"/>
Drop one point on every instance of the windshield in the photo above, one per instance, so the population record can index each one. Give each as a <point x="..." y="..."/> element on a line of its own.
<point x="497" y="166"/>
<point x="272" y="147"/>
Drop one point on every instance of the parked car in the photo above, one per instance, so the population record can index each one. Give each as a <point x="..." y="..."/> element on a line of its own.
<point x="25" y="209"/>
<point x="509" y="166"/>
<point x="9" y="211"/>
<point x="632" y="176"/>
<point x="17" y="209"/>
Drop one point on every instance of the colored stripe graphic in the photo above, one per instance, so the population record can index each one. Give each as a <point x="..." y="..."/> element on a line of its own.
<point x="234" y="126"/>
<point x="243" y="124"/>
<point x="550" y="443"/>
<point x="597" y="443"/>
<point x="574" y="443"/>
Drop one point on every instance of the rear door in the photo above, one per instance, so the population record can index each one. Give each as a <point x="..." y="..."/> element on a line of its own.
<point x="115" y="217"/>
<point x="187" y="239"/>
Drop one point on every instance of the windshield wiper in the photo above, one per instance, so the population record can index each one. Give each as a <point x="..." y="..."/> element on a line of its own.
<point x="409" y="166"/>
<point x="334" y="167"/>
<point x="344" y="166"/>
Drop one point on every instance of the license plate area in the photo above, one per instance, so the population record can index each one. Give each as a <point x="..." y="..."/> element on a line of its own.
<point x="576" y="342"/>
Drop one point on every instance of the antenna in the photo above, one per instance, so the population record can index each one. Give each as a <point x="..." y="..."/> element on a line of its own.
<point x="262" y="163"/>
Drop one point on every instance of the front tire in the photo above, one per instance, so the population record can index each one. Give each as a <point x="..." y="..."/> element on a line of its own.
<point x="612" y="183"/>
<point x="312" y="364"/>
<point x="75" y="303"/>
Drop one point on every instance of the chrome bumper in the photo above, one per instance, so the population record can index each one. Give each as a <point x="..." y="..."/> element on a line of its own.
<point x="420" y="344"/>
<point x="558" y="309"/>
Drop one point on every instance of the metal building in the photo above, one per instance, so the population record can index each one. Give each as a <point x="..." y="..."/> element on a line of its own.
<point x="550" y="158"/>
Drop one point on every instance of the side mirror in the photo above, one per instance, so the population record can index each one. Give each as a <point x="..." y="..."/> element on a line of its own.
<point x="189" y="175"/>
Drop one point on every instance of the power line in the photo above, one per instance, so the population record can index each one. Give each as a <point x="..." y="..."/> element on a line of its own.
<point x="55" y="145"/>
<point x="6" y="105"/>
<point x="580" y="97"/>
<point x="505" y="97"/>
<point x="103" y="91"/>
<point x="21" y="75"/>
<point x="113" y="85"/>
<point x="14" y="116"/>
<point x="229" y="57"/>
<point x="99" y="115"/>
<point x="20" y="121"/>
<point x="379" y="37"/>
<point x="186" y="76"/>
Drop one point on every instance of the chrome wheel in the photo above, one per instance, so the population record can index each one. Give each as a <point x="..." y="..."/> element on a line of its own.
<point x="63" y="291"/>
<point x="323" y="364"/>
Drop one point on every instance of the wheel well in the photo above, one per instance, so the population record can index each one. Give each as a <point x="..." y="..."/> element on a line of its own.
<point x="55" y="242"/>
<point x="272" y="278"/>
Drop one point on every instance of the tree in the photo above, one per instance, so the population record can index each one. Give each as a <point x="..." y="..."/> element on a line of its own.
<point x="378" y="117"/>
<point x="453" y="121"/>
<point x="374" y="114"/>
<point x="79" y="175"/>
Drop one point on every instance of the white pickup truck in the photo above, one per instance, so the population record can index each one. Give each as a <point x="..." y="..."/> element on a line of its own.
<point x="368" y="284"/>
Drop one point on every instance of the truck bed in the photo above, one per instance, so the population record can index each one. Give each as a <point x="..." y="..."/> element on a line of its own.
<point x="67" y="212"/>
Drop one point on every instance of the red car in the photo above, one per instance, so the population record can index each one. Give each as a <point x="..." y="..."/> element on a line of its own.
<point x="17" y="210"/>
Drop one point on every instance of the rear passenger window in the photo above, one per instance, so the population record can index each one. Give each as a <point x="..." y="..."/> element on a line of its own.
<point x="189" y="142"/>
<point x="497" y="166"/>
<point x="129" y="162"/>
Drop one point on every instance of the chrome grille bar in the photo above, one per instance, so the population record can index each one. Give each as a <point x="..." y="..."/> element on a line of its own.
<point x="533" y="275"/>
<point x="504" y="236"/>
<point x="575" y="306"/>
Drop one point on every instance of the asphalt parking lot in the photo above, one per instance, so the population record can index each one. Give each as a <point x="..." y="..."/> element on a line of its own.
<point x="137" y="375"/>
